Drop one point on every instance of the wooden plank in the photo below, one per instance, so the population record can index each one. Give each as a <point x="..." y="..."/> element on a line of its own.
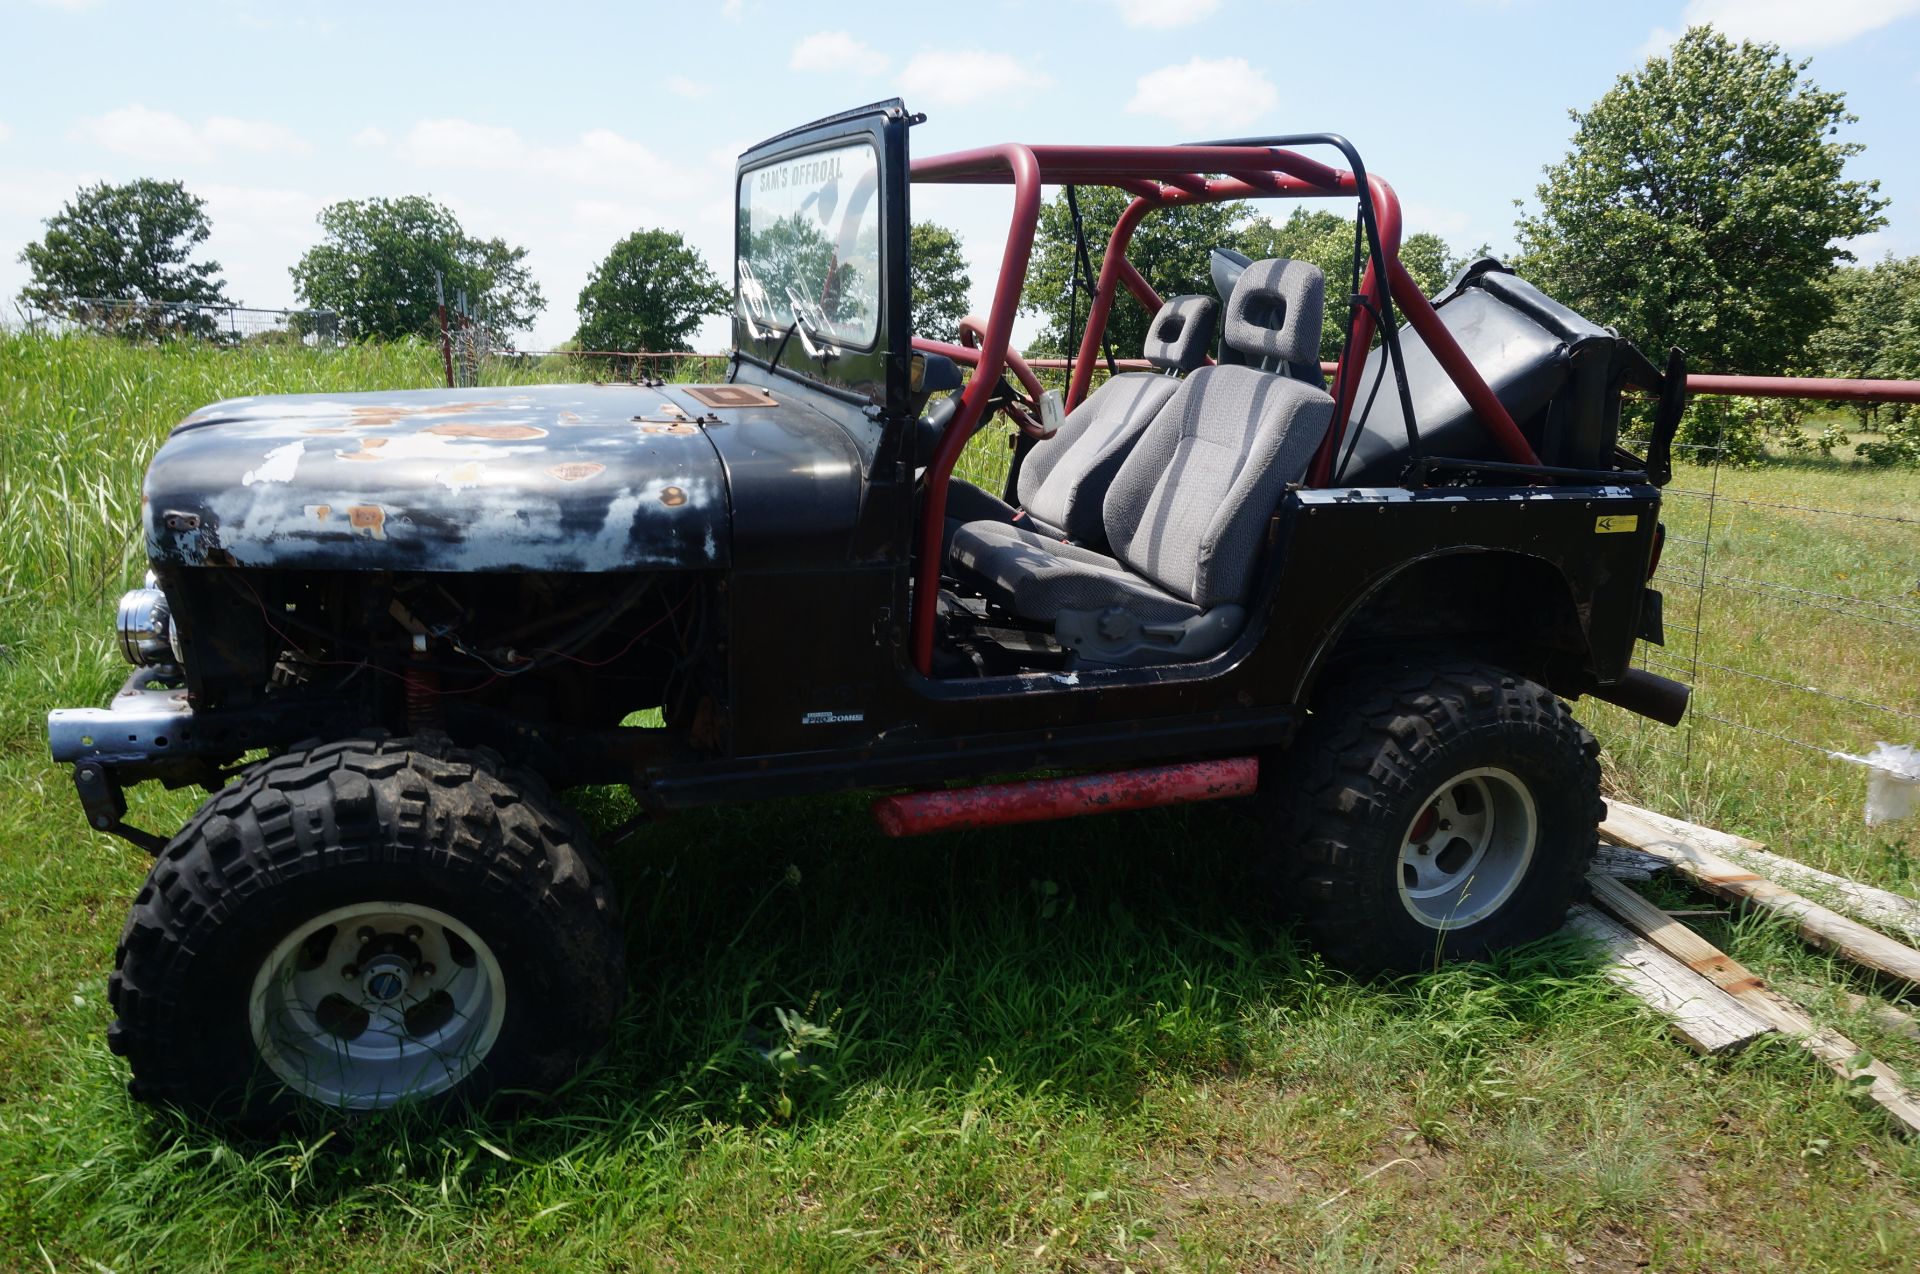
<point x="1623" y="862"/>
<point x="1696" y="852"/>
<point x="1700" y="1013"/>
<point x="1892" y="1020"/>
<point x="1877" y="1081"/>
<point x="1893" y="912"/>
<point x="1881" y="908"/>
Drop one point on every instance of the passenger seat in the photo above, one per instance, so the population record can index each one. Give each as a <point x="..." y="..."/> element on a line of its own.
<point x="1187" y="510"/>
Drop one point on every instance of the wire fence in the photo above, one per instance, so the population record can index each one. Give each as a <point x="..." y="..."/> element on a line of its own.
<point x="1793" y="610"/>
<point x="234" y="325"/>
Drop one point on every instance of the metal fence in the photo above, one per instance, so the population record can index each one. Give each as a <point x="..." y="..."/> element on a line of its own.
<point x="1796" y="622"/>
<point x="166" y="320"/>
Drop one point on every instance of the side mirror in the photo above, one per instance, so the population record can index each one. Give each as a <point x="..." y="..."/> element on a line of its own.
<point x="933" y="374"/>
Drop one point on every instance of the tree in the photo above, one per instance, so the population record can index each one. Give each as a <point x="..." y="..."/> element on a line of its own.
<point x="377" y="264"/>
<point x="937" y="277"/>
<point x="1169" y="248"/>
<point x="1874" y="311"/>
<point x="649" y="294"/>
<point x="131" y="242"/>
<point x="1702" y="205"/>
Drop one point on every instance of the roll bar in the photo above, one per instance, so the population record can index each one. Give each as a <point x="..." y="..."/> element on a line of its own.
<point x="1165" y="177"/>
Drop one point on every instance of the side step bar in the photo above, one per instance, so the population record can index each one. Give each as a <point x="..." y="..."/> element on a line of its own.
<point x="1038" y="800"/>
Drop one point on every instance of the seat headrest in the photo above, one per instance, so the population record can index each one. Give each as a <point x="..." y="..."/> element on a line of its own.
<point x="1275" y="309"/>
<point x="1178" y="337"/>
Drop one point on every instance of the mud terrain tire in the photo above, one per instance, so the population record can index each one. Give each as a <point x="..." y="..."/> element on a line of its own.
<point x="408" y="827"/>
<point x="1403" y="764"/>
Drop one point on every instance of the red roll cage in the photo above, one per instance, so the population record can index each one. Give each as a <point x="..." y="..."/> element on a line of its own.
<point x="1166" y="177"/>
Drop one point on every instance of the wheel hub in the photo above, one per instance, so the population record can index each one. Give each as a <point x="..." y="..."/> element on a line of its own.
<point x="386" y="979"/>
<point x="1467" y="849"/>
<point x="369" y="1004"/>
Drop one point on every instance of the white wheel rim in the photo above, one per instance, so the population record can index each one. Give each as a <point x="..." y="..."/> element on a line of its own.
<point x="1467" y="848"/>
<point x="375" y="1003"/>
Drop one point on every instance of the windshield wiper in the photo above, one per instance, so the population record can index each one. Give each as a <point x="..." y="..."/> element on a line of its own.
<point x="811" y="320"/>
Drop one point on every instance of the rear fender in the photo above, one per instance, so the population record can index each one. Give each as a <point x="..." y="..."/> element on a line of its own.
<point x="1514" y="607"/>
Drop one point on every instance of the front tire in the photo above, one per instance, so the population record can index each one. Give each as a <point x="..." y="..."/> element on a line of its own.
<point x="1434" y="812"/>
<point x="363" y="924"/>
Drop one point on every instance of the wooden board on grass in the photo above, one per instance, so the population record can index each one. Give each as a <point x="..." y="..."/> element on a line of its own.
<point x="1698" y="853"/>
<point x="1842" y="1055"/>
<point x="1700" y="1013"/>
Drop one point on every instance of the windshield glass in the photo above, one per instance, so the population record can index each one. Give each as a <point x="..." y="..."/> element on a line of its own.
<point x="808" y="240"/>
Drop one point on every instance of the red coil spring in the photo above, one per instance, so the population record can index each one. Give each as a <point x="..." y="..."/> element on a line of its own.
<point x="423" y="700"/>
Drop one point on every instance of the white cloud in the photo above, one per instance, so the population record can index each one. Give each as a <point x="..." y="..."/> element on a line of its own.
<point x="1205" y="93"/>
<point x="1162" y="15"/>
<point x="253" y="136"/>
<point x="461" y="143"/>
<point x="730" y="10"/>
<point x="1796" y="25"/>
<point x="6" y="132"/>
<point x="688" y="87"/>
<point x="836" y="52"/>
<point x="143" y="133"/>
<point x="599" y="157"/>
<point x="370" y="138"/>
<point x="964" y="76"/>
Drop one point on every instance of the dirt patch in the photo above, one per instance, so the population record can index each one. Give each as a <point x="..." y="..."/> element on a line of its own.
<point x="1236" y="1182"/>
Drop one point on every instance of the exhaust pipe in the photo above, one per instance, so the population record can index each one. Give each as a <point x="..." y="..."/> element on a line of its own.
<point x="998" y="804"/>
<point x="1657" y="698"/>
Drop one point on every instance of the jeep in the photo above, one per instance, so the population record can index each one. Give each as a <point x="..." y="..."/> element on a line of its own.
<point x="384" y="630"/>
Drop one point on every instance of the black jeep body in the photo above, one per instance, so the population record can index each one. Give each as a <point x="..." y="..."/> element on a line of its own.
<point x="736" y="591"/>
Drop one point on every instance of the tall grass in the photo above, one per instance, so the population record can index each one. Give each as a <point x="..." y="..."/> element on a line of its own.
<point x="1075" y="1046"/>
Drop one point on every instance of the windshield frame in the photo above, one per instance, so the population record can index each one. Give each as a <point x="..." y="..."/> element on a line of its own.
<point x="873" y="373"/>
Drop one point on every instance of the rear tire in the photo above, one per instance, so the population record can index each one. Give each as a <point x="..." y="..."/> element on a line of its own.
<point x="362" y="924"/>
<point x="1438" y="811"/>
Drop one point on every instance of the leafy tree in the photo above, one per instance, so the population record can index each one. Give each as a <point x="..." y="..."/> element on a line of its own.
<point x="1873" y="325"/>
<point x="1874" y="333"/>
<point x="376" y="268"/>
<point x="1431" y="262"/>
<point x="1701" y="206"/>
<point x="129" y="242"/>
<point x="649" y="294"/>
<point x="937" y="275"/>
<point x="1170" y="248"/>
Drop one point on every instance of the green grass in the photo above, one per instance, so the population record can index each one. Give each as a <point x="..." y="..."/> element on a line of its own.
<point x="1067" y="1047"/>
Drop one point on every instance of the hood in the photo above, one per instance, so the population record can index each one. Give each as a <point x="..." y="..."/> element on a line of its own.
<point x="542" y="478"/>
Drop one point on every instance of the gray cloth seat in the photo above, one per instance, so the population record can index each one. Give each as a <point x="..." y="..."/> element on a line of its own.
<point x="1186" y="512"/>
<point x="1064" y="479"/>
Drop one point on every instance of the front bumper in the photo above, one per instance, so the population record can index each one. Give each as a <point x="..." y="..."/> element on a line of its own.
<point x="151" y="730"/>
<point x="149" y="717"/>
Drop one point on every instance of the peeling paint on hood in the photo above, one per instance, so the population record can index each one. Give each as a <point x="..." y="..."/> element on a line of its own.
<point x="547" y="478"/>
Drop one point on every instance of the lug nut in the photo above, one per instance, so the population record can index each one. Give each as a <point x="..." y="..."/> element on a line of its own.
<point x="350" y="972"/>
<point x="366" y="933"/>
<point x="425" y="971"/>
<point x="413" y="933"/>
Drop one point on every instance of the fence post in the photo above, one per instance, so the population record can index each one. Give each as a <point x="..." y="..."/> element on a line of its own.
<point x="446" y="348"/>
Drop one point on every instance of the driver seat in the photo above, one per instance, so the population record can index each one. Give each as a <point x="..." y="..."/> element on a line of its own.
<point x="1064" y="479"/>
<point x="1187" y="511"/>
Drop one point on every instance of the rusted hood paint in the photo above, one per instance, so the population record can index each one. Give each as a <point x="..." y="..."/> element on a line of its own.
<point x="546" y="478"/>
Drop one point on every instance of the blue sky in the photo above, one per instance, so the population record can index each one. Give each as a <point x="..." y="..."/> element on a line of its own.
<point x="563" y="126"/>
